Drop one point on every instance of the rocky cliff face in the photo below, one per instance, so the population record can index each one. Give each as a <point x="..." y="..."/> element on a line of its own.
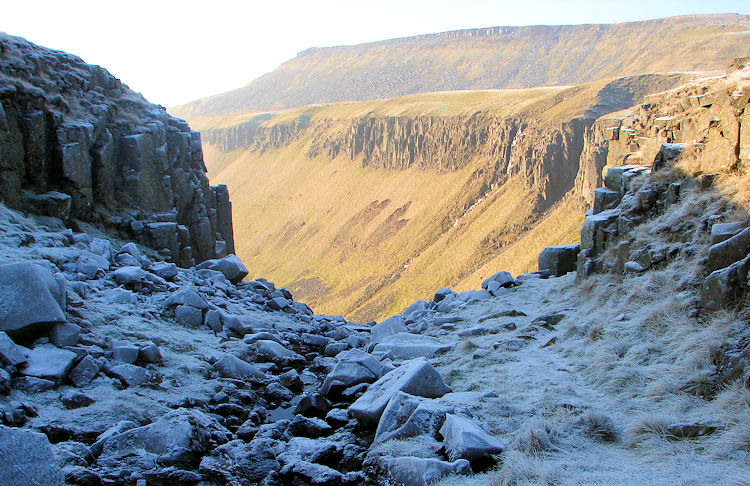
<point x="78" y="144"/>
<point x="488" y="151"/>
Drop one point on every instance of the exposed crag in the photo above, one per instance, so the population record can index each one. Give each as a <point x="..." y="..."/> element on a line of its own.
<point x="77" y="143"/>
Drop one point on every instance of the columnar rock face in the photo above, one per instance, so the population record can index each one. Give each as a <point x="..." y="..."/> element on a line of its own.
<point x="73" y="128"/>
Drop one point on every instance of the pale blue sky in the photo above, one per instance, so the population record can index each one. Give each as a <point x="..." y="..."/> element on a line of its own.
<point x="177" y="51"/>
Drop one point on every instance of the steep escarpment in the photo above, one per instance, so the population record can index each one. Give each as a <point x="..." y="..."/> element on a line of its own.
<point x="77" y="144"/>
<point x="496" y="57"/>
<point x="360" y="208"/>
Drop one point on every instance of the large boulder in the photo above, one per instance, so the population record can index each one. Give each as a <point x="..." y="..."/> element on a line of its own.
<point x="26" y="459"/>
<point x="238" y="462"/>
<point x="233" y="367"/>
<point x="559" y="259"/>
<point x="231" y="266"/>
<point x="180" y="438"/>
<point x="416" y="377"/>
<point x="465" y="439"/>
<point x="605" y="199"/>
<point x="353" y="367"/>
<point x="31" y="300"/>
<point x="723" y="287"/>
<point x="279" y="355"/>
<point x="388" y="327"/>
<point x="732" y="249"/>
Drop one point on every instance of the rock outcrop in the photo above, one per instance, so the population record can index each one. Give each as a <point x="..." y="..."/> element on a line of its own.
<point x="76" y="143"/>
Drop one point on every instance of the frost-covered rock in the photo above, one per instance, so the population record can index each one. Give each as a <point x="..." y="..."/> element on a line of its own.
<point x="353" y="367"/>
<point x="27" y="459"/>
<point x="238" y="462"/>
<point x="390" y="326"/>
<point x="92" y="265"/>
<point x="179" y="438"/>
<point x="187" y="296"/>
<point x="503" y="279"/>
<point x="10" y="353"/>
<point x="278" y="354"/>
<point x="465" y="439"/>
<point x="64" y="334"/>
<point x="49" y="362"/>
<point x="167" y="271"/>
<point x="559" y="259"/>
<point x="84" y="371"/>
<point x="231" y="366"/>
<point x="231" y="266"/>
<point x="418" y="471"/>
<point x="405" y="345"/>
<point x="31" y="300"/>
<point x="416" y="377"/>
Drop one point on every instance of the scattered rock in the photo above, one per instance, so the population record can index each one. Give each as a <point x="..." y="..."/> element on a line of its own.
<point x="353" y="367"/>
<point x="230" y="266"/>
<point x="388" y="327"/>
<point x="49" y="362"/>
<point x="405" y="345"/>
<point x="84" y="371"/>
<point x="33" y="300"/>
<point x="278" y="354"/>
<point x="231" y="366"/>
<point x="560" y="259"/>
<point x="416" y="377"/>
<point x="75" y="399"/>
<point x="465" y="439"/>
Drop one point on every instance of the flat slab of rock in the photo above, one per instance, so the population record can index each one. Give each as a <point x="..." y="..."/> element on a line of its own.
<point x="465" y="439"/>
<point x="405" y="345"/>
<point x="415" y="377"/>
<point x="30" y="300"/>
<point x="49" y="362"/>
<point x="27" y="459"/>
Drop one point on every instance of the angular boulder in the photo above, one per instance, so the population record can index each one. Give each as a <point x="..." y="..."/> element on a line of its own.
<point x="179" y="438"/>
<point x="49" y="362"/>
<point x="233" y="367"/>
<point x="415" y="377"/>
<point x="732" y="249"/>
<point x="723" y="287"/>
<point x="465" y="439"/>
<point x="231" y="266"/>
<point x="238" y="462"/>
<point x="388" y="327"/>
<point x="278" y="354"/>
<point x="559" y="259"/>
<point x="27" y="459"/>
<point x="31" y="300"/>
<point x="353" y="367"/>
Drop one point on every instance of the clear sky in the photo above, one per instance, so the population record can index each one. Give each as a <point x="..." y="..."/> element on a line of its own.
<point x="177" y="51"/>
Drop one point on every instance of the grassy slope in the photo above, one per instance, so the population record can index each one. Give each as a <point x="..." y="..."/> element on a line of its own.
<point x="368" y="242"/>
<point x="509" y="57"/>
